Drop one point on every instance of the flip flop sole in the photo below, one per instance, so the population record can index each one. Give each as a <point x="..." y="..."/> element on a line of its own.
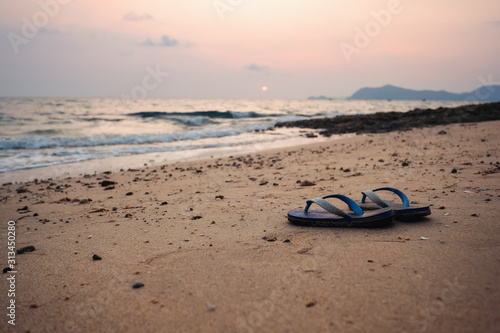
<point x="400" y="212"/>
<point x="319" y="218"/>
<point x="413" y="214"/>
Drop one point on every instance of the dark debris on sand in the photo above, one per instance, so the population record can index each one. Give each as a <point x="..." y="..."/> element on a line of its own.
<point x="29" y="248"/>
<point x="399" y="121"/>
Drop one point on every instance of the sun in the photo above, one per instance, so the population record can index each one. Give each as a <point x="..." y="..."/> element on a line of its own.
<point x="264" y="88"/>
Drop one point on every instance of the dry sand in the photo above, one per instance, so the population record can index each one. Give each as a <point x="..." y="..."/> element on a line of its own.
<point x="210" y="241"/>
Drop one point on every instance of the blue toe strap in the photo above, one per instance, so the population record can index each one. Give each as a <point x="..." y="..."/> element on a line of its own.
<point x="402" y="196"/>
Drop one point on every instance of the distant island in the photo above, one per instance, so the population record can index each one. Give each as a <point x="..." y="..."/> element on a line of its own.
<point x="320" y="98"/>
<point x="388" y="92"/>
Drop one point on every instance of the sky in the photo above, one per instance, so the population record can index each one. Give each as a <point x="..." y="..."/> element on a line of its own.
<point x="269" y="49"/>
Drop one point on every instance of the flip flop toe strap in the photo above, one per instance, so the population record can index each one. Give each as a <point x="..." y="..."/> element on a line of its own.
<point x="376" y="199"/>
<point x="331" y="208"/>
<point x="373" y="197"/>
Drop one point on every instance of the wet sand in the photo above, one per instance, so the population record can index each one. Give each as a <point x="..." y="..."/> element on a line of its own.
<point x="211" y="244"/>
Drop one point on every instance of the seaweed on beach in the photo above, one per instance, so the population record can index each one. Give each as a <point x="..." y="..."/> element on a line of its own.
<point x="381" y="122"/>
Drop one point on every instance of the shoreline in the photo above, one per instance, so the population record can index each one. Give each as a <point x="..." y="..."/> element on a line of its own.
<point x="115" y="164"/>
<point x="340" y="125"/>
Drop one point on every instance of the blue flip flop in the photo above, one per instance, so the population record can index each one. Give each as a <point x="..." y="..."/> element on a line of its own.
<point x="402" y="211"/>
<point x="332" y="216"/>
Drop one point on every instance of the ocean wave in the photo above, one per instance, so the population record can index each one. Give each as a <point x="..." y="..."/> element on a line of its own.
<point x="208" y="114"/>
<point x="41" y="158"/>
<point x="193" y="120"/>
<point x="95" y="119"/>
<point x="212" y="131"/>
<point x="43" y="132"/>
<point x="54" y="104"/>
<point x="57" y="122"/>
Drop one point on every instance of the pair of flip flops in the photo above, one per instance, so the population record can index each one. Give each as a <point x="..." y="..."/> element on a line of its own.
<point x="378" y="212"/>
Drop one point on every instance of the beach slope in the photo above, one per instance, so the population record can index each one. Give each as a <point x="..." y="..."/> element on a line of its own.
<point x="209" y="244"/>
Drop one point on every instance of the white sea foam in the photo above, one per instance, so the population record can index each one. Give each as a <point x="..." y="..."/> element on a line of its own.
<point x="213" y="131"/>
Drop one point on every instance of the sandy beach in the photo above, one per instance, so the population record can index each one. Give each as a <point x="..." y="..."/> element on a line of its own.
<point x="210" y="242"/>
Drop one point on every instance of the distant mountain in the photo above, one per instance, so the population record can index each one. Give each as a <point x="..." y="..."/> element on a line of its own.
<point x="388" y="92"/>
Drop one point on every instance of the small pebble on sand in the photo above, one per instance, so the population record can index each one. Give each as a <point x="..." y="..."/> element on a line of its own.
<point x="138" y="285"/>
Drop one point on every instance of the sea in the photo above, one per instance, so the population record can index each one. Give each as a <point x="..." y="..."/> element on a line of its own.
<point x="62" y="137"/>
